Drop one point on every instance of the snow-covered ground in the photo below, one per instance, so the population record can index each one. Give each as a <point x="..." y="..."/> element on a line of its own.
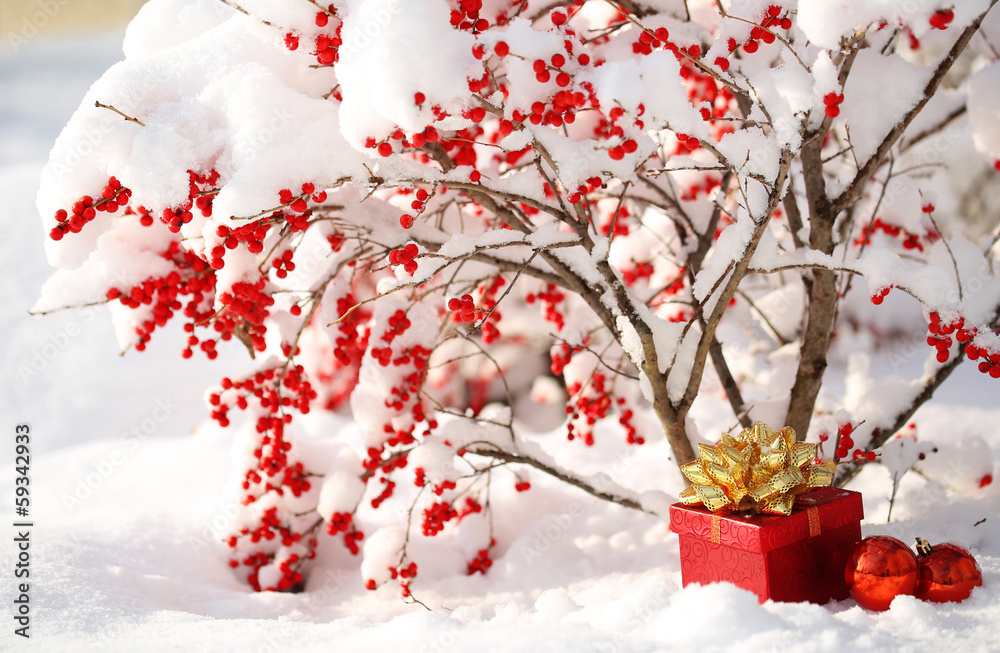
<point x="128" y="479"/>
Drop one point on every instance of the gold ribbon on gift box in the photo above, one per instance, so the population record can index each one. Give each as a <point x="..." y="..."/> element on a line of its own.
<point x="759" y="469"/>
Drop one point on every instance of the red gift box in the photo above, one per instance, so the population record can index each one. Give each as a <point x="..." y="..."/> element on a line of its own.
<point x="799" y="557"/>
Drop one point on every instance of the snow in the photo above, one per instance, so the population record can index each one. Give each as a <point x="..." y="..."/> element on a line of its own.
<point x="388" y="44"/>
<point x="877" y="101"/>
<point x="984" y="109"/>
<point x="826" y="22"/>
<point x="129" y="491"/>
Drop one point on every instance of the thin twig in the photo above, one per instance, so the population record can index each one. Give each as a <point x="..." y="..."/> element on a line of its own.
<point x="123" y="115"/>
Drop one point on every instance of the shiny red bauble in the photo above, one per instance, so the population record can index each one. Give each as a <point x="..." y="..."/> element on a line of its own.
<point x="880" y="569"/>
<point x="947" y="572"/>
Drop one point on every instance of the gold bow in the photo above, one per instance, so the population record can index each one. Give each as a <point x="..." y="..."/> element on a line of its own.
<point x="759" y="469"/>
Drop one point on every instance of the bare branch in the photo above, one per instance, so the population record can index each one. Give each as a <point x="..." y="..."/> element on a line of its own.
<point x="123" y="115"/>
<point x="621" y="496"/>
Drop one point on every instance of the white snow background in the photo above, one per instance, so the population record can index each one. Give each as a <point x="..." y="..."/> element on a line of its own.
<point x="128" y="478"/>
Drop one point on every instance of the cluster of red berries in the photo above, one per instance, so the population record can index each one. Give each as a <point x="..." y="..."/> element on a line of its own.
<point x="298" y="212"/>
<point x="298" y="203"/>
<point x="559" y="110"/>
<point x="467" y="18"/>
<point x="435" y="516"/>
<point x="245" y="307"/>
<point x="327" y="45"/>
<point x="844" y="445"/>
<point x="940" y="335"/>
<point x="762" y="32"/>
<point x="910" y="240"/>
<point x="879" y="295"/>
<point x="552" y="299"/>
<point x="991" y="359"/>
<point x="942" y="18"/>
<point x="941" y="338"/>
<point x="405" y="575"/>
<point x="585" y="189"/>
<point x="464" y="308"/>
<point x="618" y="152"/>
<point x="481" y="563"/>
<point x="561" y="355"/>
<point x="271" y="528"/>
<point x="404" y="256"/>
<point x="419" y="204"/>
<point x="275" y="389"/>
<point x="487" y="302"/>
<point x="404" y="396"/>
<point x="417" y="140"/>
<point x="352" y="341"/>
<point x="593" y="402"/>
<point x="631" y="434"/>
<point x="113" y="196"/>
<point x="832" y="102"/>
<point x="398" y="324"/>
<point x="544" y="69"/>
<point x="340" y="522"/>
<point x="283" y="264"/>
<point x="444" y="486"/>
<point x="191" y="276"/>
<point x="650" y="40"/>
<point x="201" y="192"/>
<point x="619" y="221"/>
<point x="253" y="234"/>
<point x="386" y="492"/>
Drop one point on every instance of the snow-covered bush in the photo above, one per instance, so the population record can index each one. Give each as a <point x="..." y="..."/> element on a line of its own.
<point x="451" y="216"/>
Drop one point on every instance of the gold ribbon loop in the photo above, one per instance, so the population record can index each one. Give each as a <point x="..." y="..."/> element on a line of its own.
<point x="760" y="469"/>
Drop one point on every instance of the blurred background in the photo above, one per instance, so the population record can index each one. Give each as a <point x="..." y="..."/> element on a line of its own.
<point x="62" y="373"/>
<point x="26" y="16"/>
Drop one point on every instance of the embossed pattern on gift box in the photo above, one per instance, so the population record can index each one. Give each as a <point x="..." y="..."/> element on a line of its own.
<point x="800" y="557"/>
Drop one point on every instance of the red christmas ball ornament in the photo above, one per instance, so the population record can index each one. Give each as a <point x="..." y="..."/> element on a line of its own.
<point x="947" y="572"/>
<point x="879" y="569"/>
